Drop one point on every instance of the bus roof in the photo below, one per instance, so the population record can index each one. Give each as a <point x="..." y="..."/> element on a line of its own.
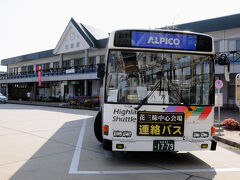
<point x="164" y="40"/>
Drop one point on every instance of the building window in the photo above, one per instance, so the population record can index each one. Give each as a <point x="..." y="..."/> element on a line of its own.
<point x="30" y="69"/>
<point x="23" y="70"/>
<point x="66" y="47"/>
<point x="232" y="88"/>
<point x="55" y="66"/>
<point x="46" y="67"/>
<point x="144" y="61"/>
<point x="72" y="45"/>
<point x="78" y="62"/>
<point x="92" y="60"/>
<point x="217" y="46"/>
<point x="238" y="45"/>
<point x="102" y="59"/>
<point x="10" y="70"/>
<point x="15" y="70"/>
<point x="67" y="64"/>
<point x="78" y="44"/>
<point x="232" y="45"/>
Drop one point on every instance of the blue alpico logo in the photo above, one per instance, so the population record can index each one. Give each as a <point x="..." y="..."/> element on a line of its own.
<point x="164" y="40"/>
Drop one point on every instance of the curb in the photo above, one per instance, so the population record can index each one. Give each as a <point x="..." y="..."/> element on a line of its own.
<point x="226" y="141"/>
<point x="52" y="105"/>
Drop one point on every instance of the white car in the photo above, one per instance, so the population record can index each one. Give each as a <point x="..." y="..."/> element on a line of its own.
<point x="3" y="99"/>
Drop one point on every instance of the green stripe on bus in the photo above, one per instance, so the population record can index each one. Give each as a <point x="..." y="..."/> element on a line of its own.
<point x="198" y="111"/>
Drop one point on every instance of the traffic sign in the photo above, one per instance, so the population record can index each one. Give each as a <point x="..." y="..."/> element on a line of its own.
<point x="218" y="84"/>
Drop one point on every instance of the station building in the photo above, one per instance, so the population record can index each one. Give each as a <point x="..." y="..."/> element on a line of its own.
<point x="68" y="70"/>
<point x="71" y="68"/>
<point x="226" y="33"/>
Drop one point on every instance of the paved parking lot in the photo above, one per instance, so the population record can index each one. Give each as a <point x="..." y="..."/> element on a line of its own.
<point x="55" y="143"/>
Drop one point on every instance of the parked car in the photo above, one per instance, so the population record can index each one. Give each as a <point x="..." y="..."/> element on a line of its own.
<point x="3" y="99"/>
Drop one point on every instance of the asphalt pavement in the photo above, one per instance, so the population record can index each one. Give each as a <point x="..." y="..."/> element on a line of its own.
<point x="230" y="137"/>
<point x="39" y="142"/>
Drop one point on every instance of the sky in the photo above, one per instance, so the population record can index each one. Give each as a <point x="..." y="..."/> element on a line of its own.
<point x="29" y="26"/>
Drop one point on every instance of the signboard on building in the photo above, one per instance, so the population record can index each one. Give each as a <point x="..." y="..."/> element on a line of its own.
<point x="70" y="71"/>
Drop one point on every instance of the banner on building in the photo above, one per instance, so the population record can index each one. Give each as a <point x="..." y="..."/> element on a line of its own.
<point x="39" y="76"/>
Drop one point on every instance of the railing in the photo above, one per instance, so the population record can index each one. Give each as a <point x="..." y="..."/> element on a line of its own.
<point x="59" y="72"/>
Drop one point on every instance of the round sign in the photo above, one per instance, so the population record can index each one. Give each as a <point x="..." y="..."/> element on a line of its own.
<point x="218" y="84"/>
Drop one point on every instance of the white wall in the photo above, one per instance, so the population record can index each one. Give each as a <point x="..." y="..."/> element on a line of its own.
<point x="225" y="35"/>
<point x="95" y="87"/>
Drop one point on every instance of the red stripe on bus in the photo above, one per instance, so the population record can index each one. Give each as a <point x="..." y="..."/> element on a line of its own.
<point x="207" y="110"/>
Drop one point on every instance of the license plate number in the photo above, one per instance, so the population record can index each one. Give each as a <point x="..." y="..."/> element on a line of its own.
<point x="163" y="145"/>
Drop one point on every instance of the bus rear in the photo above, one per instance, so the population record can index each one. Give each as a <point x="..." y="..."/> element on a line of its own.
<point x="158" y="92"/>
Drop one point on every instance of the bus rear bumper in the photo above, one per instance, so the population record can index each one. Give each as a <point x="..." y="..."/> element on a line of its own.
<point x="142" y="145"/>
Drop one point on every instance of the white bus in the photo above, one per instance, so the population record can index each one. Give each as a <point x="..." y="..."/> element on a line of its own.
<point x="158" y="92"/>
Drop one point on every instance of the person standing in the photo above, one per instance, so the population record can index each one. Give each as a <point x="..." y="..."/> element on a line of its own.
<point x="29" y="96"/>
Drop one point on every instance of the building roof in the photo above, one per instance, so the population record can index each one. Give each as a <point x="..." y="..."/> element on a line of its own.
<point x="97" y="36"/>
<point x="209" y="25"/>
<point x="28" y="57"/>
<point x="93" y="36"/>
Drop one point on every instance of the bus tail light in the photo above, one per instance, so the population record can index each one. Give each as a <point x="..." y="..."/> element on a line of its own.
<point x="105" y="130"/>
<point x="213" y="131"/>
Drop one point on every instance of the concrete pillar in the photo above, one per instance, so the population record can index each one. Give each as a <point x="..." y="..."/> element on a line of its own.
<point x="61" y="62"/>
<point x="95" y="87"/>
<point x="1" y="91"/>
<point x="7" y="91"/>
<point x="19" y="70"/>
<point x="51" y="65"/>
<point x="34" y="91"/>
<point x="85" y="87"/>
<point x="85" y="63"/>
<point x="34" y="68"/>
<point x="62" y="91"/>
<point x="70" y="90"/>
<point x="97" y="59"/>
<point x="72" y="63"/>
<point x="85" y="57"/>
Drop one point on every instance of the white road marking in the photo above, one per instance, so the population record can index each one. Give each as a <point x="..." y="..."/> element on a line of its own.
<point x="76" y="158"/>
<point x="157" y="171"/>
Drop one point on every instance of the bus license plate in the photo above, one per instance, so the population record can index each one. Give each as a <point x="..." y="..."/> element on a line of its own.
<point x="163" y="145"/>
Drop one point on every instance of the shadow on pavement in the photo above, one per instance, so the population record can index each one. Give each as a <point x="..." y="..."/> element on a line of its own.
<point x="52" y="161"/>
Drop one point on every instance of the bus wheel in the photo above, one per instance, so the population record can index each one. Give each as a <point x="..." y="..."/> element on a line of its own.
<point x="98" y="127"/>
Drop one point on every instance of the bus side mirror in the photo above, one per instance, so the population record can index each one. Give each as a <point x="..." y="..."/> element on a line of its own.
<point x="100" y="71"/>
<point x="222" y="59"/>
